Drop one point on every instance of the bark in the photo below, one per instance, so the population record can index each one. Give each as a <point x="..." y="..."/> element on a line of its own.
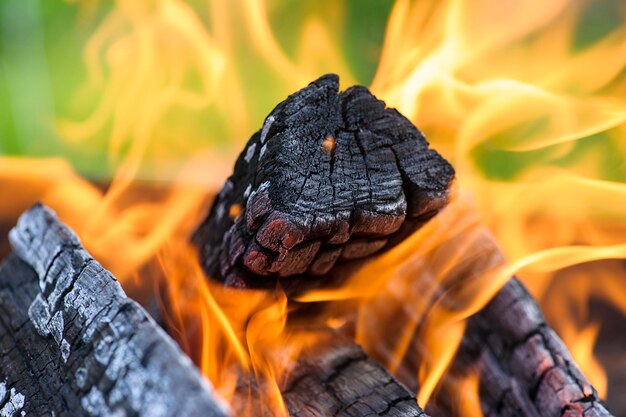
<point x="334" y="178"/>
<point x="524" y="367"/>
<point x="72" y="343"/>
<point x="331" y="179"/>
<point x="337" y="378"/>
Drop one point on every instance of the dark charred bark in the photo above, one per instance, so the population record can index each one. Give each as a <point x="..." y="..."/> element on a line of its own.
<point x="72" y="343"/>
<point x="331" y="179"/>
<point x="337" y="378"/>
<point x="524" y="368"/>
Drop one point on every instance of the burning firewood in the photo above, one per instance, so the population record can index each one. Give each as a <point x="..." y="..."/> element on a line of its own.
<point x="337" y="378"/>
<point x="72" y="343"/>
<point x="333" y="377"/>
<point x="66" y="327"/>
<point x="330" y="179"/>
<point x="334" y="178"/>
<point x="523" y="366"/>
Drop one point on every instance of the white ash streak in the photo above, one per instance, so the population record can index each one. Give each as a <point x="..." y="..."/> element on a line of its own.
<point x="265" y="185"/>
<point x="266" y="128"/>
<point x="81" y="377"/>
<point x="250" y="152"/>
<point x="246" y="193"/>
<point x="220" y="211"/>
<point x="227" y="189"/>
<point x="39" y="314"/>
<point x="12" y="404"/>
<point x="95" y="404"/>
<point x="65" y="350"/>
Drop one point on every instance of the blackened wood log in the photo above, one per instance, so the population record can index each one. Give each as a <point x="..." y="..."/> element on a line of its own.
<point x="337" y="378"/>
<point x="331" y="179"/>
<point x="333" y="377"/>
<point x="72" y="343"/>
<point x="334" y="178"/>
<point x="524" y="368"/>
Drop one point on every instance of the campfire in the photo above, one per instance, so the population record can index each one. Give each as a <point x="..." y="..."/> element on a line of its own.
<point x="447" y="240"/>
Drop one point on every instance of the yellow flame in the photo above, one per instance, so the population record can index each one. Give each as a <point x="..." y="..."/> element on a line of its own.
<point x="483" y="78"/>
<point x="468" y="399"/>
<point x="531" y="121"/>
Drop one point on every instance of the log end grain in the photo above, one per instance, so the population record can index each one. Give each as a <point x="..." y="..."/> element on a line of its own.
<point x="331" y="178"/>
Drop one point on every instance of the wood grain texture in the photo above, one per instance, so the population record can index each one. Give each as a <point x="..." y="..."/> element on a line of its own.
<point x="331" y="179"/>
<point x="73" y="344"/>
<point x="336" y="378"/>
<point x="524" y="367"/>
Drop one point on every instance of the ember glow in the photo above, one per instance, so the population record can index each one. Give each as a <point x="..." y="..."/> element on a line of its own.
<point x="532" y="117"/>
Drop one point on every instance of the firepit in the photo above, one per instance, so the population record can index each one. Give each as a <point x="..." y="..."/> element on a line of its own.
<point x="348" y="266"/>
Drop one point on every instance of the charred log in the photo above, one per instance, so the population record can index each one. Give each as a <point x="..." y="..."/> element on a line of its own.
<point x="334" y="377"/>
<point x="331" y="179"/>
<point x="337" y="378"/>
<point x="524" y="368"/>
<point x="334" y="178"/>
<point x="72" y="343"/>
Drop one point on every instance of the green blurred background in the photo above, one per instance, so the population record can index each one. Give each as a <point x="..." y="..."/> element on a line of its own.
<point x="44" y="81"/>
<point x="42" y="72"/>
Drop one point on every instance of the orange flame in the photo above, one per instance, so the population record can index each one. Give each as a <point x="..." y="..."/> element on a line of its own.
<point x="530" y="120"/>
<point x="533" y="123"/>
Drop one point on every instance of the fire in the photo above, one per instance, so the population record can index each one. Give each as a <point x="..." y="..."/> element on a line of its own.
<point x="509" y="87"/>
<point x="531" y="115"/>
<point x="235" y="330"/>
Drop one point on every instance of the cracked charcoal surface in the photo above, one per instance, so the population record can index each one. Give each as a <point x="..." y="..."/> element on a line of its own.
<point x="330" y="179"/>
<point x="73" y="344"/>
<point x="525" y="369"/>
<point x="338" y="379"/>
<point x="11" y="401"/>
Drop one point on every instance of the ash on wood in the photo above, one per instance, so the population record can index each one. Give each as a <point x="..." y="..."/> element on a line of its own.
<point x="524" y="368"/>
<point x="334" y="178"/>
<point x="72" y="343"/>
<point x="337" y="378"/>
<point x="331" y="179"/>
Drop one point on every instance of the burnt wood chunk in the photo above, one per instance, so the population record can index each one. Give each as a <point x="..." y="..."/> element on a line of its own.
<point x="332" y="377"/>
<point x="524" y="368"/>
<point x="331" y="178"/>
<point x="336" y="378"/>
<point x="72" y="343"/>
